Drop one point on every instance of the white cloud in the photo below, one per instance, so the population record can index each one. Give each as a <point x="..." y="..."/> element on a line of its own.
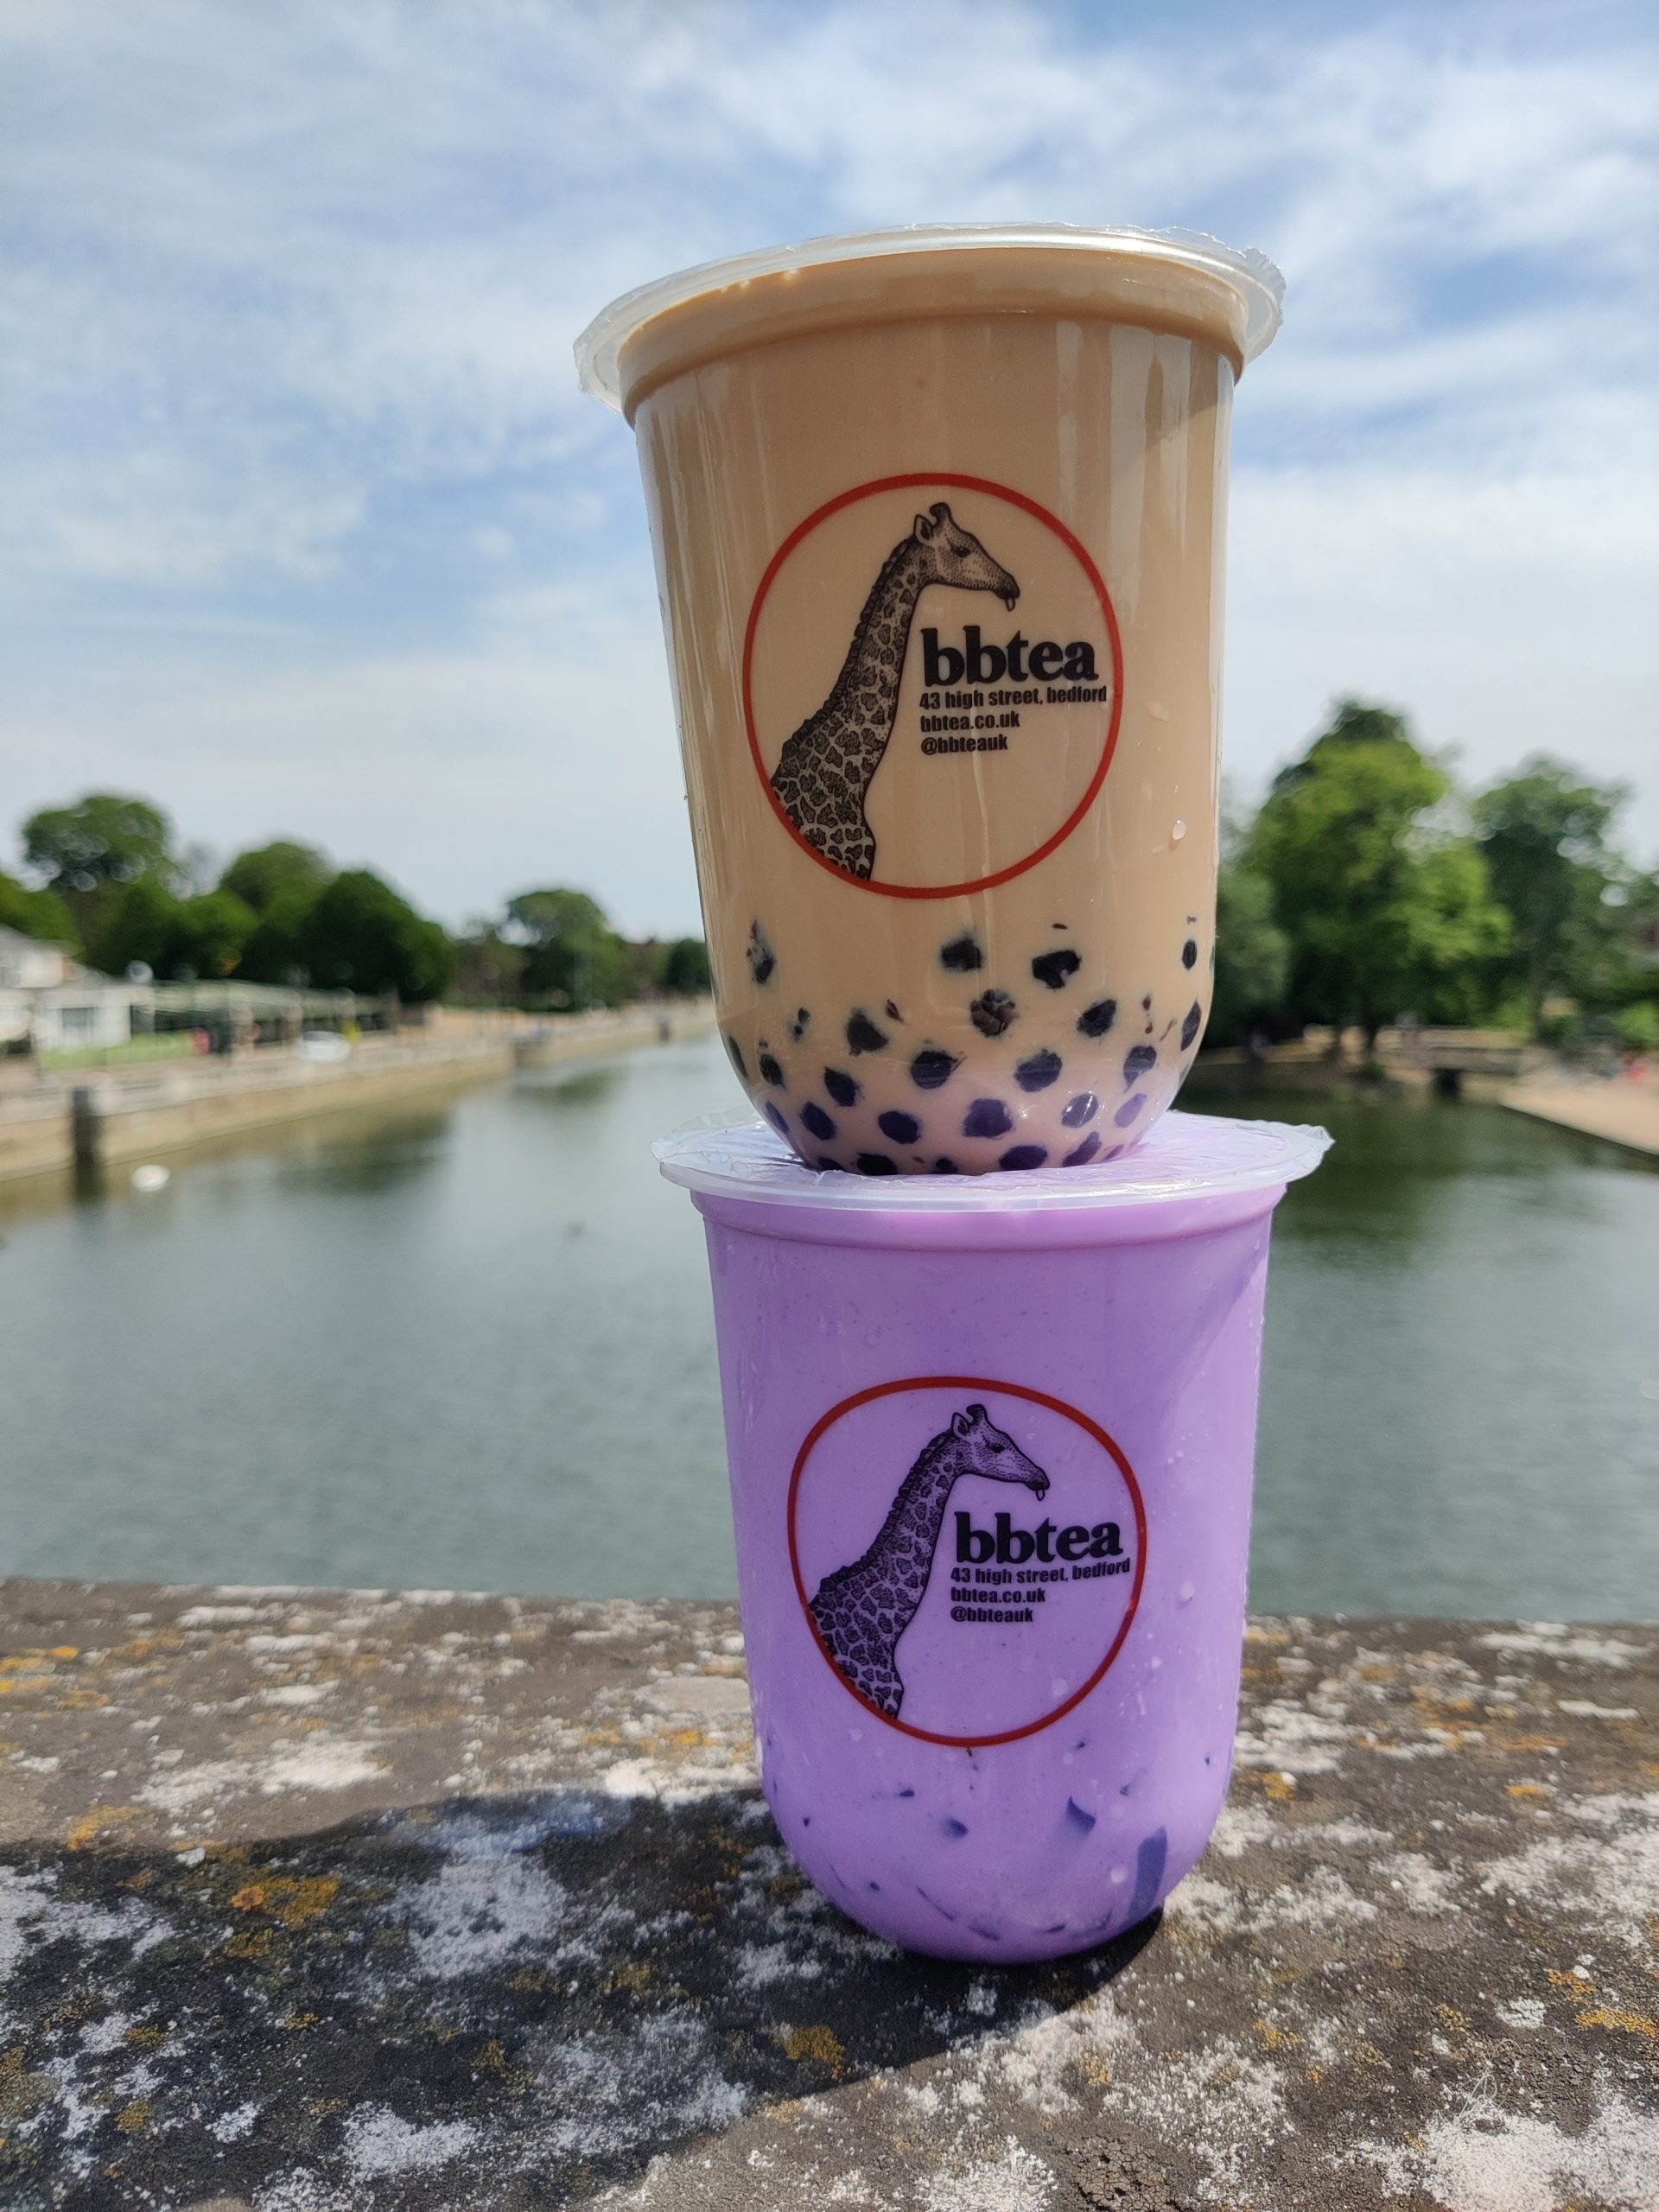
<point x="544" y="753"/>
<point x="1508" y="615"/>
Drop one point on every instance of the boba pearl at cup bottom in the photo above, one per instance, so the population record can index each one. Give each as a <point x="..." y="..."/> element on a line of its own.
<point x="991" y="1448"/>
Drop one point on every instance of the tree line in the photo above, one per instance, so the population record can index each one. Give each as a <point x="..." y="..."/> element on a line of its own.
<point x="104" y="877"/>
<point x="1369" y="887"/>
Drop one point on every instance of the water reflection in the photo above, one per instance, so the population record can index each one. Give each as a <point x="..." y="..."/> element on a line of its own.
<point x="1462" y="1311"/>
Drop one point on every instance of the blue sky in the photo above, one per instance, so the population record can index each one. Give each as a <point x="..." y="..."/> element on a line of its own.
<point x="308" y="531"/>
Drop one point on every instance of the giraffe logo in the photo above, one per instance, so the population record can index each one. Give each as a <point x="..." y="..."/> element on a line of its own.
<point x="863" y="1609"/>
<point x="947" y="746"/>
<point x="827" y="766"/>
<point x="968" y="1554"/>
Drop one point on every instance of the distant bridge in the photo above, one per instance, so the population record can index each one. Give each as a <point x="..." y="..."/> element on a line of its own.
<point x="1448" y="1055"/>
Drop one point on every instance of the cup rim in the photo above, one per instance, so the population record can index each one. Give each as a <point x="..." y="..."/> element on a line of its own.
<point x="1183" y="1157"/>
<point x="1255" y="279"/>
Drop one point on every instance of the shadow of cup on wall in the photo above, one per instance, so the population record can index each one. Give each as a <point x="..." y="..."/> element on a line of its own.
<point x="563" y="1984"/>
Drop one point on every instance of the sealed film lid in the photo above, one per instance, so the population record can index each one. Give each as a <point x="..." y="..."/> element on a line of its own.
<point x="1184" y="1156"/>
<point x="1175" y="280"/>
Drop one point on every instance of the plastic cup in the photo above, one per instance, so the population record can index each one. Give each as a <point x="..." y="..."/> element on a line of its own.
<point x="938" y="521"/>
<point x="991" y="1448"/>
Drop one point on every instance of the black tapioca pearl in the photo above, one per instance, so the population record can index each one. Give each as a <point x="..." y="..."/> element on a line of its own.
<point x="1095" y="1020"/>
<point x="1146" y="1002"/>
<point x="802" y="1023"/>
<point x="1192" y="1024"/>
<point x="1080" y="1155"/>
<point x="986" y="1117"/>
<point x="1083" y="1107"/>
<point x="862" y="1035"/>
<point x="817" y="1120"/>
<point x="1139" y="1060"/>
<point x="762" y="959"/>
<point x="894" y="1014"/>
<point x="1190" y="953"/>
<point x="875" y="1163"/>
<point x="993" y="1012"/>
<point x="1024" y="1155"/>
<point x="1076" y="1818"/>
<point x="943" y="1167"/>
<point x="932" y="1068"/>
<point x="1057" y="969"/>
<point x="840" y="1087"/>
<point x="771" y="1073"/>
<point x="963" y="955"/>
<point x="1038" y="1071"/>
<point x="1130" y="1109"/>
<point x="734" y="1054"/>
<point x="954" y="1828"/>
<point x="903" y="1128"/>
<point x="776" y="1119"/>
<point x="830" y="1166"/>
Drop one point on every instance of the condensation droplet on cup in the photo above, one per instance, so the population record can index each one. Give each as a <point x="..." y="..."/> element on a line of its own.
<point x="856" y="1734"/>
<point x="1120" y="1875"/>
<point x="1188" y="1592"/>
<point x="1059" y="1686"/>
<point x="1178" y="833"/>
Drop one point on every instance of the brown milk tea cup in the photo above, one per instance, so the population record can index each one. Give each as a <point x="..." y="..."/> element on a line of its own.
<point x="938" y="520"/>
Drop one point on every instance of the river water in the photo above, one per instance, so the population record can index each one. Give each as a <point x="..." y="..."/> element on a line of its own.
<point x="470" y="1346"/>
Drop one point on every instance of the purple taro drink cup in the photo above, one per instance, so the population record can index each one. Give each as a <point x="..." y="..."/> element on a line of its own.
<point x="991" y="1443"/>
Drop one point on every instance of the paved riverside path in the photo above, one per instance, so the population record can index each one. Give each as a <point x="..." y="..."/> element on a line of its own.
<point x="324" y="1902"/>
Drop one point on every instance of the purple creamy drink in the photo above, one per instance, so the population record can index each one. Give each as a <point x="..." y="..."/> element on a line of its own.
<point x="991" y="1448"/>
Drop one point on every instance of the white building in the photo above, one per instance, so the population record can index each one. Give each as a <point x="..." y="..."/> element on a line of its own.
<point x="55" y="1005"/>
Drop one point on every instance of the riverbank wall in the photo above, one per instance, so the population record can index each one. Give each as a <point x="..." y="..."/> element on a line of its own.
<point x="49" y="1121"/>
<point x="1622" y="1110"/>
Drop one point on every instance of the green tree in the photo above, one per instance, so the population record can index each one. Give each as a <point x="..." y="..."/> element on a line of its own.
<point x="574" y="956"/>
<point x="1252" y="953"/>
<point x="276" y="951"/>
<point x="36" y="914"/>
<point x="280" y="873"/>
<point x="360" y="934"/>
<point x="1544" y="834"/>
<point x="489" y="971"/>
<point x="1383" y="904"/>
<point x="102" y="839"/>
<point x="176" y="938"/>
<point x="208" y="936"/>
<point x="89" y="852"/>
<point x="685" y="970"/>
<point x="135" y="924"/>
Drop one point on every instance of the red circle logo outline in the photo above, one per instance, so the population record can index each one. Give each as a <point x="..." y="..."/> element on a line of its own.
<point x="1006" y="1389"/>
<point x="1078" y="551"/>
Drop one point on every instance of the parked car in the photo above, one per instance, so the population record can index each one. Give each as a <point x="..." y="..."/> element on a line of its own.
<point x="321" y="1045"/>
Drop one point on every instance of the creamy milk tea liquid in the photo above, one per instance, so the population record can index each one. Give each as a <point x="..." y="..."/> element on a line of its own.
<point x="938" y="521"/>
